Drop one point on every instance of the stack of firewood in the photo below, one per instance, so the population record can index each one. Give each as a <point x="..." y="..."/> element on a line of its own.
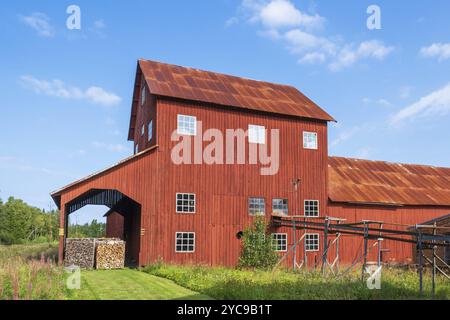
<point x="80" y="253"/>
<point x="110" y="254"/>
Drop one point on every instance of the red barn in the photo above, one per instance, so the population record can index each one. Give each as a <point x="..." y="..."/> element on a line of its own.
<point x="186" y="193"/>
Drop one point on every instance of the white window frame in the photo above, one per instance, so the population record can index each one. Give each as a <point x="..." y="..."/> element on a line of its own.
<point x="184" y="125"/>
<point x="312" y="237"/>
<point x="280" y="211"/>
<point x="277" y="244"/>
<point x="176" y="242"/>
<point x="256" y="134"/>
<point x="183" y="205"/>
<point x="318" y="208"/>
<point x="150" y="130"/>
<point x="308" y="143"/>
<point x="259" y="213"/>
<point x="136" y="148"/>
<point x="142" y="130"/>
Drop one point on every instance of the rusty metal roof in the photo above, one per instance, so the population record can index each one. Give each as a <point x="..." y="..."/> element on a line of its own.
<point x="204" y="86"/>
<point x="378" y="182"/>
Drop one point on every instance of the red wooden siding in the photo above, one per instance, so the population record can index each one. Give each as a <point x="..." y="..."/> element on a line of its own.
<point x="151" y="179"/>
<point x="222" y="191"/>
<point x="399" y="252"/>
<point x="115" y="225"/>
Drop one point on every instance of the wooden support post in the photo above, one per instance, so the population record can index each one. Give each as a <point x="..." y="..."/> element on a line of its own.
<point x="420" y="253"/>
<point x="379" y="246"/>
<point x="62" y="233"/>
<point x="433" y="283"/>
<point x="294" y="260"/>
<point x="366" y="240"/>
<point x="338" y="235"/>
<point x="326" y="245"/>
<point x="305" y="253"/>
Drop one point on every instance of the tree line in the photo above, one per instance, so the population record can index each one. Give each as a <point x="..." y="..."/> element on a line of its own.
<point x="22" y="223"/>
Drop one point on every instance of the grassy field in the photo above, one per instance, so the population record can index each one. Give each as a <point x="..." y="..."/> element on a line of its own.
<point x="29" y="272"/>
<point x="129" y="284"/>
<point x="29" y="251"/>
<point x="221" y="283"/>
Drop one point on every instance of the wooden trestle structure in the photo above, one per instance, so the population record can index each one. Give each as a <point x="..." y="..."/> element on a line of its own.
<point x="424" y="237"/>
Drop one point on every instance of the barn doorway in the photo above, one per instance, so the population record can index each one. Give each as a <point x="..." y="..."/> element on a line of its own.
<point x="123" y="219"/>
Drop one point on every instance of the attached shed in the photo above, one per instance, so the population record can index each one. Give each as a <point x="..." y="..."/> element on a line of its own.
<point x="399" y="195"/>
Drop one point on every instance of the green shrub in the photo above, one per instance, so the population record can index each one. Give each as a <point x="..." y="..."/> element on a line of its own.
<point x="257" y="251"/>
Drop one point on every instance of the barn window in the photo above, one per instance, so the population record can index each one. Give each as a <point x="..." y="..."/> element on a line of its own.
<point x="142" y="130"/>
<point x="279" y="242"/>
<point x="280" y="206"/>
<point x="256" y="134"/>
<point x="136" y="148"/>
<point x="150" y="130"/>
<point x="185" y="203"/>
<point x="310" y="140"/>
<point x="187" y="125"/>
<point x="256" y="206"/>
<point x="312" y="208"/>
<point x="312" y="242"/>
<point x="185" y="242"/>
<point x="143" y="93"/>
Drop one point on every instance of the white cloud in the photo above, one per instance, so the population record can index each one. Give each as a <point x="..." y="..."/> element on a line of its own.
<point x="313" y="58"/>
<point x="300" y="41"/>
<point x="101" y="96"/>
<point x="282" y="13"/>
<point x="57" y="88"/>
<point x="344" y="136"/>
<point x="231" y="21"/>
<point x="110" y="146"/>
<point x="381" y="102"/>
<point x="368" y="49"/>
<point x="282" y="21"/>
<point x="40" y="23"/>
<point x="437" y="102"/>
<point x="384" y="103"/>
<point x="363" y="153"/>
<point x="437" y="50"/>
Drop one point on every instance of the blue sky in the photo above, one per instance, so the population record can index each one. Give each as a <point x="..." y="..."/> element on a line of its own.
<point x="66" y="94"/>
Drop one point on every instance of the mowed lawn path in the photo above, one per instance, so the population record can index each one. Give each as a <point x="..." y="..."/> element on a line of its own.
<point x="130" y="284"/>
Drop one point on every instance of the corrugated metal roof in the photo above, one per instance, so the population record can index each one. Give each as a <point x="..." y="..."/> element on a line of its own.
<point x="204" y="86"/>
<point x="378" y="182"/>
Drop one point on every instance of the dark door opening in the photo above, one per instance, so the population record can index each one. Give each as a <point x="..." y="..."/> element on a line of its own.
<point x="123" y="220"/>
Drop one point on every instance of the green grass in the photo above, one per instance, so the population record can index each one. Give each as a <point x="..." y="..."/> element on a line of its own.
<point x="129" y="284"/>
<point x="222" y="283"/>
<point x="29" y="251"/>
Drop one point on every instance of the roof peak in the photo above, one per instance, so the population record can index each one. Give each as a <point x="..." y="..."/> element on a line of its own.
<point x="389" y="162"/>
<point x="218" y="73"/>
<point x="187" y="83"/>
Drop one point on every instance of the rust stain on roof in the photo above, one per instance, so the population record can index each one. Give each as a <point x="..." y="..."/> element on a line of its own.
<point x="225" y="90"/>
<point x="378" y="182"/>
